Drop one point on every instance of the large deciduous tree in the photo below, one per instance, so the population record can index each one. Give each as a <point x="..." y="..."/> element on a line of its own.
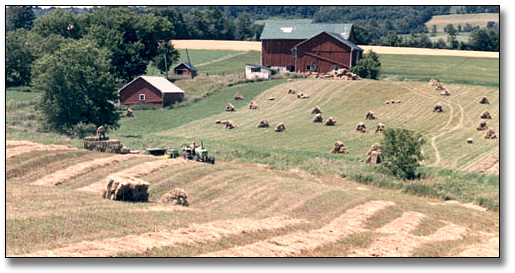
<point x="19" y="17"/>
<point x="77" y="86"/>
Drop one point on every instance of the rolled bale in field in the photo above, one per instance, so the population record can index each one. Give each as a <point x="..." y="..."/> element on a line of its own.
<point x="361" y="128"/>
<point x="484" y="100"/>
<point x="315" y="110"/>
<point x="388" y="102"/>
<point x="439" y="86"/>
<point x="238" y="96"/>
<point x="230" y="107"/>
<point x="481" y="126"/>
<point x="339" y="148"/>
<point x="253" y="105"/>
<point x="271" y="98"/>
<point x="330" y="122"/>
<point x="470" y="140"/>
<point x="229" y="124"/>
<point x="490" y="134"/>
<point x="485" y="115"/>
<point x="291" y="91"/>
<point x="318" y="118"/>
<point x="432" y="82"/>
<point x="280" y="127"/>
<point x="302" y="96"/>
<point x="379" y="128"/>
<point x="126" y="189"/>
<point x="374" y="154"/>
<point x="218" y="121"/>
<point x="398" y="101"/>
<point x="445" y="92"/>
<point x="370" y="115"/>
<point x="177" y="196"/>
<point x="438" y="108"/>
<point x="263" y="124"/>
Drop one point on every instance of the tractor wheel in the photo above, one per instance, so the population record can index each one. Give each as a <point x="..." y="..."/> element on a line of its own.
<point x="197" y="158"/>
<point x="212" y="160"/>
<point x="184" y="155"/>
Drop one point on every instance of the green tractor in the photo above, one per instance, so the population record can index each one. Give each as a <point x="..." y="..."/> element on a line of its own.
<point x="198" y="154"/>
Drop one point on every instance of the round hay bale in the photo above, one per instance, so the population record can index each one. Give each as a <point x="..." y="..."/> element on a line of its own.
<point x="177" y="196"/>
<point x="263" y="124"/>
<point x="330" y="122"/>
<point x="315" y="110"/>
<point x="318" y="118"/>
<point x="230" y="108"/>
<point x="470" y="140"/>
<point x="238" y="96"/>
<point x="280" y="127"/>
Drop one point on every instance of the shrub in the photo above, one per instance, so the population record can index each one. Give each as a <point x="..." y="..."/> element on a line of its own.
<point x="401" y="150"/>
<point x="369" y="66"/>
<point x="81" y="130"/>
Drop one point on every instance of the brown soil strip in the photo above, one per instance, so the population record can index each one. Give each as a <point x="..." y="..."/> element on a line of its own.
<point x="465" y="205"/>
<point x="18" y="150"/>
<point x="136" y="171"/>
<point x="71" y="172"/>
<point x="294" y="243"/>
<point x="196" y="233"/>
<point x="400" y="242"/>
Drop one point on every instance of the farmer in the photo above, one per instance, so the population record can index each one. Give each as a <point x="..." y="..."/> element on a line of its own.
<point x="101" y="133"/>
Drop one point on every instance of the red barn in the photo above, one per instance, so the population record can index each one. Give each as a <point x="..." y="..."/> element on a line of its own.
<point x="157" y="91"/>
<point x="309" y="47"/>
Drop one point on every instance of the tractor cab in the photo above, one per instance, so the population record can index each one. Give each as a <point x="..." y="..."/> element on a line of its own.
<point x="198" y="154"/>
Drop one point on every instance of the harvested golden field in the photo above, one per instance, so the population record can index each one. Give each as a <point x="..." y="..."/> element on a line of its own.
<point x="256" y="46"/>
<point x="235" y="210"/>
<point x="476" y="19"/>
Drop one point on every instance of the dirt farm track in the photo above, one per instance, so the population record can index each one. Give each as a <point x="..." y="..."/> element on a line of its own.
<point x="256" y="46"/>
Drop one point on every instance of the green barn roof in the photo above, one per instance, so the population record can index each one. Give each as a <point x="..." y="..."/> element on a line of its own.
<point x="302" y="30"/>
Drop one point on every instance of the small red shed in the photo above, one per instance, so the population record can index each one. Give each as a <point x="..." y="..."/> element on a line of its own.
<point x="156" y="91"/>
<point x="185" y="69"/>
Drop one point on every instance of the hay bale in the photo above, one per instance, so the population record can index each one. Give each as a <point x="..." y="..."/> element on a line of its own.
<point x="318" y="118"/>
<point x="218" y="121"/>
<point x="485" y="115"/>
<point x="289" y="80"/>
<point x="379" y="128"/>
<point x="271" y="98"/>
<point x="280" y="127"/>
<point x="291" y="91"/>
<point x="370" y="115"/>
<point x="253" y="105"/>
<point x="263" y="124"/>
<point x="302" y="96"/>
<point x="315" y="110"/>
<point x="481" y="126"/>
<point x="438" y="108"/>
<point x="230" y="108"/>
<point x="361" y="128"/>
<point x="229" y="124"/>
<point x="439" y="86"/>
<point x="432" y="82"/>
<point x="490" y="134"/>
<point x="388" y="102"/>
<point x="330" y="121"/>
<point x="374" y="154"/>
<point x="398" y="101"/>
<point x="126" y="189"/>
<point x="238" y="96"/>
<point x="484" y="100"/>
<point x="445" y="93"/>
<point x="470" y="140"/>
<point x="129" y="113"/>
<point x="339" y="148"/>
<point x="177" y="196"/>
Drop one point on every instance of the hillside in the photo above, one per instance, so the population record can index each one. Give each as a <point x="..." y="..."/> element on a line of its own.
<point x="476" y="19"/>
<point x="235" y="209"/>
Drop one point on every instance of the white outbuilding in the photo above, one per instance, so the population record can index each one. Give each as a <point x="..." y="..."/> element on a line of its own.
<point x="256" y="71"/>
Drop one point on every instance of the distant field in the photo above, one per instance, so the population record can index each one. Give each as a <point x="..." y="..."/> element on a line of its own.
<point x="476" y="19"/>
<point x="262" y="22"/>
<point x="461" y="37"/>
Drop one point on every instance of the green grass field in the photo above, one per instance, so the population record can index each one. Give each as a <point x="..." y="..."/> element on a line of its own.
<point x="280" y="20"/>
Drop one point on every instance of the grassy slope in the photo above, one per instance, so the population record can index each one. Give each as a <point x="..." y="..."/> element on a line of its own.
<point x="476" y="19"/>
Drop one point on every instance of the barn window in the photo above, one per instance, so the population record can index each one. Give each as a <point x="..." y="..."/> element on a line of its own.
<point x="311" y="67"/>
<point x="141" y="96"/>
<point x="255" y="69"/>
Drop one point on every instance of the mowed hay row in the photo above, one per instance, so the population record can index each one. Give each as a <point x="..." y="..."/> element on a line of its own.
<point x="20" y="143"/>
<point x="197" y="233"/>
<point x="22" y="149"/>
<point x="293" y="244"/>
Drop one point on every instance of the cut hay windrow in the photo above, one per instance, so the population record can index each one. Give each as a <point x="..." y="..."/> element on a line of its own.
<point x="196" y="233"/>
<point x="401" y="243"/>
<point x="20" y="143"/>
<point x="19" y="150"/>
<point x="292" y="244"/>
<point x="133" y="172"/>
<point x="489" y="248"/>
<point x="71" y="172"/>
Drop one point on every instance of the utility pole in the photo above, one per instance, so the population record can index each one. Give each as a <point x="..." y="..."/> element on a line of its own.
<point x="189" y="62"/>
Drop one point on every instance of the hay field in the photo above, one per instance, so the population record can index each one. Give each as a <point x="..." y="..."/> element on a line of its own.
<point x="233" y="207"/>
<point x="256" y="46"/>
<point x="476" y="19"/>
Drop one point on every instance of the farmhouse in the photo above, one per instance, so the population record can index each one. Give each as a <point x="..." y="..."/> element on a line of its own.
<point x="156" y="91"/>
<point x="256" y="71"/>
<point x="185" y="69"/>
<point x="309" y="47"/>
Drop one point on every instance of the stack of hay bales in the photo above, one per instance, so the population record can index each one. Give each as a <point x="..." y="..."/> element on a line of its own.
<point x="263" y="124"/>
<point x="230" y="108"/>
<point x="490" y="134"/>
<point x="330" y="121"/>
<point x="177" y="196"/>
<point x="302" y="96"/>
<point x="311" y="74"/>
<point x="361" y="128"/>
<point x="318" y="118"/>
<point x="370" y="115"/>
<point x="341" y="74"/>
<point x="280" y="127"/>
<point x="379" y="128"/>
<point x="105" y="145"/>
<point x="440" y="86"/>
<point x="438" y="108"/>
<point x="253" y="105"/>
<point x="291" y="91"/>
<point x="238" y="96"/>
<point x="229" y="124"/>
<point x="126" y="189"/>
<point x="374" y="154"/>
<point x="339" y="148"/>
<point x="484" y="100"/>
<point x="445" y="92"/>
<point x="315" y="110"/>
<point x="482" y="126"/>
<point x="486" y="115"/>
<point x="432" y="82"/>
<point x="470" y="140"/>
